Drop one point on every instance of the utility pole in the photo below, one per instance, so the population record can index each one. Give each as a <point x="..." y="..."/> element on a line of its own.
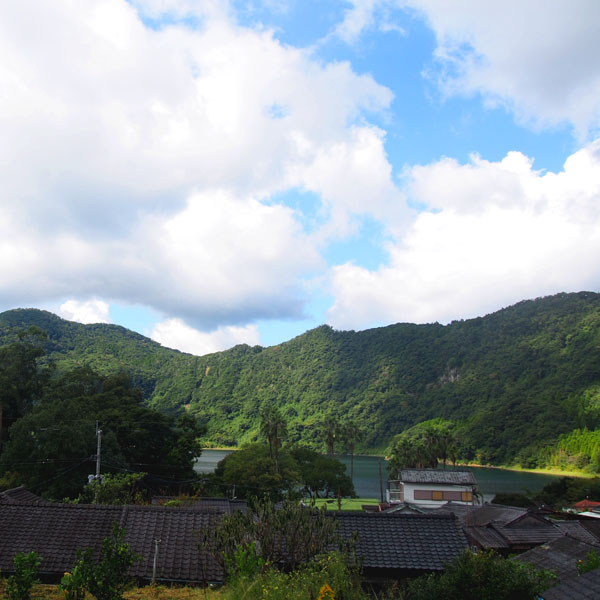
<point x="98" y="450"/>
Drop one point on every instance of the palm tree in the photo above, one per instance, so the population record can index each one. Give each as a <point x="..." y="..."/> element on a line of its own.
<point x="330" y="430"/>
<point x="274" y="427"/>
<point x="352" y="433"/>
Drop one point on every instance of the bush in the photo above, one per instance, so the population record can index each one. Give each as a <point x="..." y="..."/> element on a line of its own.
<point x="19" y="585"/>
<point x="481" y="576"/>
<point x="326" y="578"/>
<point x="107" y="580"/>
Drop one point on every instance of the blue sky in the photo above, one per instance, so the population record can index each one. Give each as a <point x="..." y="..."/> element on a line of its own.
<point x="210" y="173"/>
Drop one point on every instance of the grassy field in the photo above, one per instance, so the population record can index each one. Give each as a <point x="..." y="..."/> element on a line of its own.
<point x="158" y="592"/>
<point x="347" y="503"/>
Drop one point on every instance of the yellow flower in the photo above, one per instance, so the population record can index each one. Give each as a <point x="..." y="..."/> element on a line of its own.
<point x="326" y="593"/>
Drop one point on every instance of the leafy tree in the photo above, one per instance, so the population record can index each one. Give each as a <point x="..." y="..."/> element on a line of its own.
<point x="21" y="377"/>
<point x="120" y="488"/>
<point x="423" y="445"/>
<point x="274" y="428"/>
<point x="53" y="447"/>
<point x="321" y="476"/>
<point x="352" y="433"/>
<point x="286" y="535"/>
<point x="481" y="576"/>
<point x="251" y="471"/>
<point x="107" y="579"/>
<point x="18" y="586"/>
<point x="330" y="431"/>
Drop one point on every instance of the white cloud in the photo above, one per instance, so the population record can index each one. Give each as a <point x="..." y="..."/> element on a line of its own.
<point x="537" y="58"/>
<point x="495" y="233"/>
<point x="88" y="311"/>
<point x="174" y="333"/>
<point x="139" y="164"/>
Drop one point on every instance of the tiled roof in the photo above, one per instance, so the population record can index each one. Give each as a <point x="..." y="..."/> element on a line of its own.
<point x="530" y="536"/>
<point x="486" y="537"/>
<point x="437" y="476"/>
<point x="493" y="513"/>
<point x="56" y="531"/>
<point x="399" y="542"/>
<point x="403" y="541"/>
<point x="20" y="494"/>
<point x="559" y="555"/>
<point x="580" y="587"/>
<point x="576" y="530"/>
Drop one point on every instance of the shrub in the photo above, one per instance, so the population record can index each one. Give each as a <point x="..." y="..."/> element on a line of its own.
<point x="72" y="584"/>
<point x="26" y="566"/>
<point x="589" y="563"/>
<point x="107" y="580"/>
<point x="481" y="576"/>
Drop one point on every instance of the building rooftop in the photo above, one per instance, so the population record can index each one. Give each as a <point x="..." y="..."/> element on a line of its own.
<point x="438" y="476"/>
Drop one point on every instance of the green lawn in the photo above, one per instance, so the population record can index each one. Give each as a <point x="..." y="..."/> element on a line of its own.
<point x="347" y="503"/>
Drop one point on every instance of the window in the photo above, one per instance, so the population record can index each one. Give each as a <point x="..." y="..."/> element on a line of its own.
<point x="439" y="495"/>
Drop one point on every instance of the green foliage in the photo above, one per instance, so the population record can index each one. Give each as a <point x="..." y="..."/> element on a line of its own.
<point x="21" y="377"/>
<point x="299" y="472"/>
<point x="312" y="580"/>
<point x="245" y="562"/>
<point x="253" y="473"/>
<point x="481" y="576"/>
<point x="566" y="491"/>
<point x="289" y="534"/>
<point x="512" y="382"/>
<point x="321" y="476"/>
<point x="513" y="499"/>
<point x="120" y="488"/>
<point x="107" y="579"/>
<point x="589" y="563"/>
<point x="72" y="584"/>
<point x="52" y="448"/>
<point x="26" y="567"/>
<point x="424" y="445"/>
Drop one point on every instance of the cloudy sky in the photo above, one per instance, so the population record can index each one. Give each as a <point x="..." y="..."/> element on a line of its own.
<point x="218" y="172"/>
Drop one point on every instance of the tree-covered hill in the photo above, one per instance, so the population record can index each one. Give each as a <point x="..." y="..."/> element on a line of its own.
<point x="513" y="381"/>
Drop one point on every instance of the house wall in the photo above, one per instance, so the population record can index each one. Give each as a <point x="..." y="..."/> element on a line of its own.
<point x="432" y="495"/>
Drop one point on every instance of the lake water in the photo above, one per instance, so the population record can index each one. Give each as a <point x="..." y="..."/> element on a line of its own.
<point x="366" y="475"/>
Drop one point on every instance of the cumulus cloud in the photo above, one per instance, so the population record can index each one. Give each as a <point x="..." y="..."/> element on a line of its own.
<point x="537" y="59"/>
<point x="88" y="311"/>
<point x="139" y="161"/>
<point x="494" y="233"/>
<point x="174" y="333"/>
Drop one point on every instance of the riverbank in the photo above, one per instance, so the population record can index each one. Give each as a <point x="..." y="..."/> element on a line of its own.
<point x="519" y="469"/>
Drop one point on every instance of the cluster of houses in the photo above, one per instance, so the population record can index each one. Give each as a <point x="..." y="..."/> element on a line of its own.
<point x="430" y="517"/>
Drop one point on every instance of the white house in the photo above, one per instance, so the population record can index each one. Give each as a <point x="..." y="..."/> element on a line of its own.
<point x="432" y="488"/>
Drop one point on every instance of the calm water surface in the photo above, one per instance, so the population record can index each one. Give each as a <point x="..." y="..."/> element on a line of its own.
<point x="366" y="475"/>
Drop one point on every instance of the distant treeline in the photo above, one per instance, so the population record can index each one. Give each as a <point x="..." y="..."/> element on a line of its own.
<point x="515" y="383"/>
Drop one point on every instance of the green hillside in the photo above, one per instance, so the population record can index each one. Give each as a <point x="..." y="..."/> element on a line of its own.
<point x="514" y="381"/>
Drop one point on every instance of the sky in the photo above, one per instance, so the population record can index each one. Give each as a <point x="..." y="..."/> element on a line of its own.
<point x="210" y="173"/>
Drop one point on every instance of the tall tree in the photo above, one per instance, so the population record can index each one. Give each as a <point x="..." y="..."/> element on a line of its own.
<point x="352" y="433"/>
<point x="21" y="378"/>
<point x="330" y="429"/>
<point x="274" y="427"/>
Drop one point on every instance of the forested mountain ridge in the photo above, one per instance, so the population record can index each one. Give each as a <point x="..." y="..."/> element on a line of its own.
<point x="513" y="381"/>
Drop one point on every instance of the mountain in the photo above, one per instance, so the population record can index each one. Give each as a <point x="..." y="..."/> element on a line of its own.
<point x="513" y="380"/>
